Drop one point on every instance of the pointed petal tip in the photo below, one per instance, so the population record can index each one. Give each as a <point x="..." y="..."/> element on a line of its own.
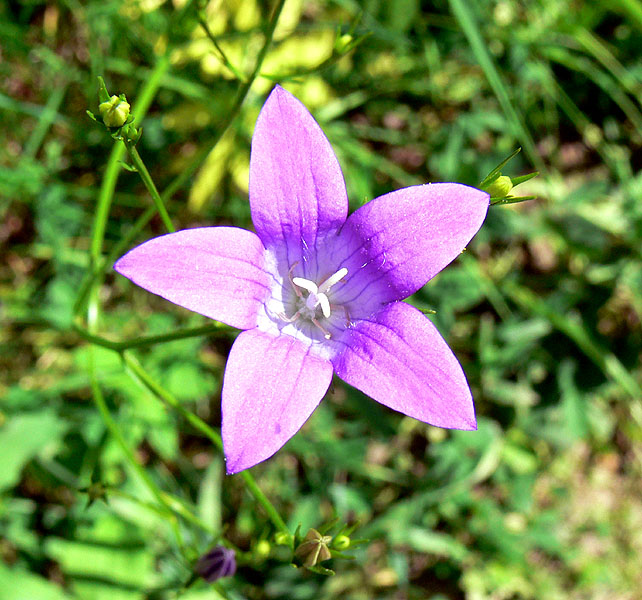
<point x="469" y="425"/>
<point x="120" y="266"/>
<point x="235" y="463"/>
<point x="231" y="470"/>
<point x="280" y="93"/>
<point x="271" y="386"/>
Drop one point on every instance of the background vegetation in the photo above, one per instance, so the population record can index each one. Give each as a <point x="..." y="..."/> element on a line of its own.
<point x="109" y="490"/>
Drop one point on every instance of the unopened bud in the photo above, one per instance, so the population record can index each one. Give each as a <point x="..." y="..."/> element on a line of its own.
<point x="341" y="542"/>
<point x="281" y="538"/>
<point x="500" y="187"/>
<point x="342" y="43"/>
<point x="114" y="111"/>
<point x="314" y="548"/>
<point x="263" y="548"/>
<point x="216" y="563"/>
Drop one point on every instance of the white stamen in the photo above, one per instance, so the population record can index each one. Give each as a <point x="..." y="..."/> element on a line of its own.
<point x="317" y="297"/>
<point x="306" y="284"/>
<point x="330" y="281"/>
<point x="325" y="305"/>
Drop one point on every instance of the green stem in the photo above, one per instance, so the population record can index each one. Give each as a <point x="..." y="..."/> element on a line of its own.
<point x="187" y="173"/>
<point x="149" y="184"/>
<point x="226" y="61"/>
<point x="104" y="202"/>
<point x="170" y="503"/>
<point x="141" y="375"/>
<point x="108" y="187"/>
<point x="216" y="329"/>
<point x="115" y="432"/>
<point x="263" y="500"/>
<point x="97" y="271"/>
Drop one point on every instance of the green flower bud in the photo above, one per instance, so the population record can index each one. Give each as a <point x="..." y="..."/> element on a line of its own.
<point x="341" y="542"/>
<point x="314" y="548"/>
<point x="263" y="548"/>
<point x="500" y="187"/>
<point x="342" y="43"/>
<point x="281" y="538"/>
<point x="114" y="111"/>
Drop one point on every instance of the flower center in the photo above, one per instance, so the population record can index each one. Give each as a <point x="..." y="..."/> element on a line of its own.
<point x="312" y="297"/>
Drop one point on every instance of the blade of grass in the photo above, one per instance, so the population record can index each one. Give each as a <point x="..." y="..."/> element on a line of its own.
<point x="45" y="120"/>
<point x="601" y="78"/>
<point x="613" y="159"/>
<point x="605" y="360"/>
<point x="466" y="19"/>
<point x="594" y="46"/>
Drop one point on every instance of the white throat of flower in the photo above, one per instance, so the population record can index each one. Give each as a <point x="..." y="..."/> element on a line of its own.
<point x="317" y="298"/>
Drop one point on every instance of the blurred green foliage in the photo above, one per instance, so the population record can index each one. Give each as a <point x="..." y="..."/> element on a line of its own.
<point x="544" y="309"/>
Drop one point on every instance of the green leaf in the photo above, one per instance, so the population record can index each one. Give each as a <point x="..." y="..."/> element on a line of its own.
<point x="25" y="436"/>
<point x="432" y="542"/>
<point x="16" y="584"/>
<point x="129" y="567"/>
<point x="573" y="408"/>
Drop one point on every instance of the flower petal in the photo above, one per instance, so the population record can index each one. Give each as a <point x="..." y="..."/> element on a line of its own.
<point x="215" y="271"/>
<point x="400" y="359"/>
<point x="403" y="239"/>
<point x="297" y="190"/>
<point x="271" y="386"/>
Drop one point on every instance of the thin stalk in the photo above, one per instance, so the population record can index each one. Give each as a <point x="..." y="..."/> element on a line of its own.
<point x="600" y="51"/>
<point x="226" y="61"/>
<point x="115" y="432"/>
<point x="170" y="503"/>
<point x="216" y="329"/>
<point x="97" y="271"/>
<point x="143" y="377"/>
<point x="149" y="184"/>
<point x="263" y="500"/>
<point x="141" y="106"/>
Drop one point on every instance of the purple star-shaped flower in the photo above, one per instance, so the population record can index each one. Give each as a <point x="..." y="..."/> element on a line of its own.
<point x="318" y="291"/>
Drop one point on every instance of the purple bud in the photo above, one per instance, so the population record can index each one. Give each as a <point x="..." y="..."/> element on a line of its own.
<point x="216" y="563"/>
